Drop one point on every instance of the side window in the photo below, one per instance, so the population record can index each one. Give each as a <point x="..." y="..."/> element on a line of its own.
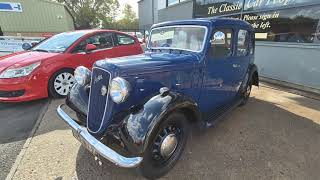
<point x="221" y="43"/>
<point x="243" y="43"/>
<point x="124" y="39"/>
<point x="102" y="41"/>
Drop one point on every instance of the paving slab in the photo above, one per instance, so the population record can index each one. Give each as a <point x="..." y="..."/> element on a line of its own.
<point x="275" y="136"/>
<point x="16" y="123"/>
<point x="52" y="150"/>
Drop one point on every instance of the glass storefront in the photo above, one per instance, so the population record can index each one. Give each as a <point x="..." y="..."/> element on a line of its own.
<point x="294" y="21"/>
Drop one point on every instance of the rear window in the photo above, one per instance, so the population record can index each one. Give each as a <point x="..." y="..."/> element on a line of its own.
<point x="124" y="39"/>
<point x="243" y="43"/>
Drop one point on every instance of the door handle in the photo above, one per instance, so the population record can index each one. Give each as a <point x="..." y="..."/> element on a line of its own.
<point x="236" y="66"/>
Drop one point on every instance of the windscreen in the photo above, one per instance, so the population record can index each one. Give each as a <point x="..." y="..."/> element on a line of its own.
<point x="190" y="38"/>
<point x="59" y="42"/>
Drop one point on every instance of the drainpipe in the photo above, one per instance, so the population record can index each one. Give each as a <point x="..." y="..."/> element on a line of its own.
<point x="152" y="11"/>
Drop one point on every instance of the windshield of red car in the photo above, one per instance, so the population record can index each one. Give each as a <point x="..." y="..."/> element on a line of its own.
<point x="59" y="42"/>
<point x="189" y="38"/>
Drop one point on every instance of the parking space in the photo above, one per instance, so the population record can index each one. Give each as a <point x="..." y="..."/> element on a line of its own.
<point x="275" y="136"/>
<point x="17" y="120"/>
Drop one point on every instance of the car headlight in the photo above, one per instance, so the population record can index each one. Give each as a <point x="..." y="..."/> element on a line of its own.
<point x="119" y="90"/>
<point x="82" y="75"/>
<point x="19" y="72"/>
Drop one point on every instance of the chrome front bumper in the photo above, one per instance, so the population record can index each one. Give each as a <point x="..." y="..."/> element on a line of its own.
<point x="95" y="146"/>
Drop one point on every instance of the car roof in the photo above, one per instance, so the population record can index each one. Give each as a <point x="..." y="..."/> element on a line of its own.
<point x="207" y="22"/>
<point x="90" y="31"/>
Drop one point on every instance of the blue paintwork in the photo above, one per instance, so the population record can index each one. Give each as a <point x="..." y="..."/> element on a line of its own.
<point x="195" y="83"/>
<point x="147" y="74"/>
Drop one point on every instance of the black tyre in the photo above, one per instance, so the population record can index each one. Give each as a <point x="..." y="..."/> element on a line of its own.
<point x="60" y="83"/>
<point x="246" y="93"/>
<point x="166" y="146"/>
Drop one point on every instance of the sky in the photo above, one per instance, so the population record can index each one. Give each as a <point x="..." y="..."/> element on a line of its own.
<point x="133" y="3"/>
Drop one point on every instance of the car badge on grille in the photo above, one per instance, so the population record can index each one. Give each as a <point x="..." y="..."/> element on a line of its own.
<point x="98" y="78"/>
<point x="104" y="90"/>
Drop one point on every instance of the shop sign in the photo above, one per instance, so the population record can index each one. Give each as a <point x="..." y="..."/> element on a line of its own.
<point x="10" y="7"/>
<point x="16" y="44"/>
<point x="224" y="8"/>
<point x="261" y="21"/>
<point x="267" y="4"/>
<point x="220" y="8"/>
<point x="257" y="4"/>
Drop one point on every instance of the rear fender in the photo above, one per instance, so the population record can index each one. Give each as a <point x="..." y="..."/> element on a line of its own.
<point x="254" y="75"/>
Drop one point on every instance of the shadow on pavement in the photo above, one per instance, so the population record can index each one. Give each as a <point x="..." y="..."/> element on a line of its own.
<point x="258" y="141"/>
<point x="18" y="119"/>
<point x="306" y="102"/>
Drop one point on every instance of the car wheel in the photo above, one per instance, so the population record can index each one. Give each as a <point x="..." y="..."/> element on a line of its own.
<point x="166" y="146"/>
<point x="246" y="93"/>
<point x="60" y="83"/>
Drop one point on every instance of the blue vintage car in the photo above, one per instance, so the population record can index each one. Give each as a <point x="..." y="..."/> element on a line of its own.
<point x="192" y="73"/>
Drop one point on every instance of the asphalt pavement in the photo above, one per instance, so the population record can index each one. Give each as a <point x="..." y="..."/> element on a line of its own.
<point x="275" y="136"/>
<point x="16" y="122"/>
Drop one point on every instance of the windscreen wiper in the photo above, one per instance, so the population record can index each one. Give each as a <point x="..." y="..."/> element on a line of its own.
<point x="40" y="50"/>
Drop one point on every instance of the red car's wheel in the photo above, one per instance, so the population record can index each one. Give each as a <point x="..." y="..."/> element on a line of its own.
<point x="61" y="82"/>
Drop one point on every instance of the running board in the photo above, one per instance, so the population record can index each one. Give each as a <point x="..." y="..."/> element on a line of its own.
<point x="221" y="112"/>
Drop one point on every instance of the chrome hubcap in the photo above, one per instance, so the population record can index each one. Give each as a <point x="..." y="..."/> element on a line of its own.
<point x="168" y="145"/>
<point x="63" y="83"/>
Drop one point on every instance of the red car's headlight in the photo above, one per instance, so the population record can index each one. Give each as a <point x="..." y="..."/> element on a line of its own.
<point x="19" y="72"/>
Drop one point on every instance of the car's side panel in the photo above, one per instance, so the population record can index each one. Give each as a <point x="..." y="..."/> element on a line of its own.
<point x="129" y="49"/>
<point x="240" y="63"/>
<point x="217" y="87"/>
<point x="89" y="58"/>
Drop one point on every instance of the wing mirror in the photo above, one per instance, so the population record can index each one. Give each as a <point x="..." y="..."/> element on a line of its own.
<point x="26" y="46"/>
<point x="90" y="47"/>
<point x="218" y="38"/>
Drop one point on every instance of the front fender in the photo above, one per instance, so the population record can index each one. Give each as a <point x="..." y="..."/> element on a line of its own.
<point x="78" y="99"/>
<point x="137" y="128"/>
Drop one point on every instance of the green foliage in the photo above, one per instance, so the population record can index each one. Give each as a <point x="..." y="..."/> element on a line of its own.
<point x="92" y="13"/>
<point x="129" y="20"/>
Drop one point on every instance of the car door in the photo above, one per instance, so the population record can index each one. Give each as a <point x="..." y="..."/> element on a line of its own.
<point x="126" y="45"/>
<point x="218" y="88"/>
<point x="243" y="56"/>
<point x="104" y="43"/>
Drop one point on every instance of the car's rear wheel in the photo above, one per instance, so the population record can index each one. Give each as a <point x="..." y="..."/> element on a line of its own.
<point x="166" y="146"/>
<point x="60" y="83"/>
<point x="246" y="93"/>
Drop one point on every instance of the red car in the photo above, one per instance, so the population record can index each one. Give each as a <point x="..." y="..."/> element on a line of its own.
<point x="47" y="69"/>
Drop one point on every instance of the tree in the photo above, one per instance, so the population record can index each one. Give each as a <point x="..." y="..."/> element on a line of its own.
<point x="129" y="20"/>
<point x="92" y="13"/>
<point x="128" y="13"/>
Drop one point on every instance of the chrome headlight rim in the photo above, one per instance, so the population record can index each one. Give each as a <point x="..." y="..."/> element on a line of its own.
<point x="119" y="90"/>
<point x="82" y="75"/>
